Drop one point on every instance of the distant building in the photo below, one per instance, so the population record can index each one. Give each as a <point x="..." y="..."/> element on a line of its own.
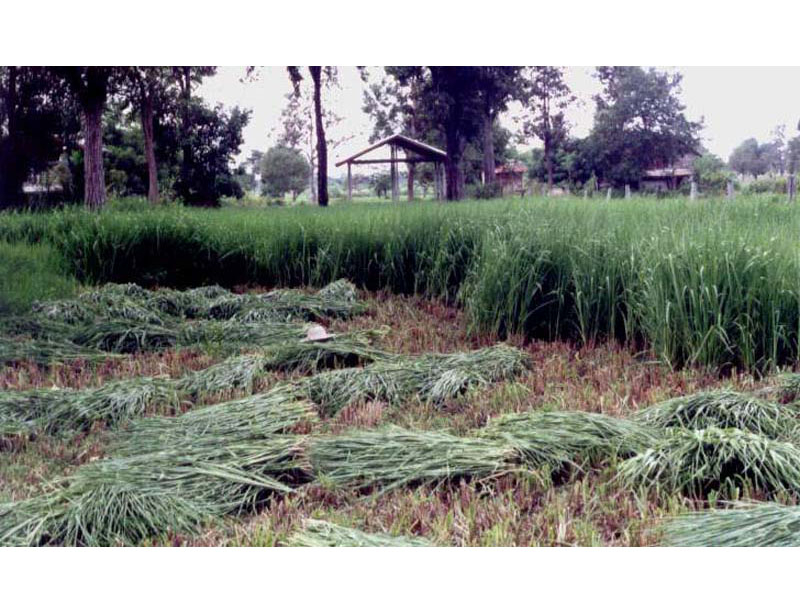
<point x="511" y="178"/>
<point x="663" y="178"/>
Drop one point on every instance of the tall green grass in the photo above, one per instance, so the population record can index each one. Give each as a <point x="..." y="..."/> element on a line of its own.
<point x="29" y="273"/>
<point x="707" y="283"/>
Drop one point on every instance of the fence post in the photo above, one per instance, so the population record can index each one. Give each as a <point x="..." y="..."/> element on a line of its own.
<point x="608" y="194"/>
<point x="693" y="190"/>
<point x="729" y="191"/>
<point x="791" y="184"/>
<point x="627" y="191"/>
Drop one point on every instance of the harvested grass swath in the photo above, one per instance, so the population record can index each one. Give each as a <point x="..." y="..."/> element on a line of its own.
<point x="392" y="456"/>
<point x="696" y="462"/>
<point x="430" y="377"/>
<point x="323" y="533"/>
<point x="124" y="500"/>
<point x="61" y="410"/>
<point x="788" y="386"/>
<point x="724" y="409"/>
<point x="131" y="302"/>
<point x="246" y="419"/>
<point x="57" y="410"/>
<point x="44" y="351"/>
<point x="744" y="524"/>
<point x="555" y="439"/>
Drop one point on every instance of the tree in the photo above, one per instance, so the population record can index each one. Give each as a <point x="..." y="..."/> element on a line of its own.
<point x="284" y="170"/>
<point x="186" y="78"/>
<point x="216" y="136"/>
<point x="319" y="76"/>
<point x="639" y="123"/>
<point x="36" y="117"/>
<point x="546" y="96"/>
<point x="147" y="89"/>
<point x="298" y="126"/>
<point x="748" y="158"/>
<point x="453" y="100"/>
<point x="496" y="86"/>
<point x="793" y="154"/>
<point x="90" y="87"/>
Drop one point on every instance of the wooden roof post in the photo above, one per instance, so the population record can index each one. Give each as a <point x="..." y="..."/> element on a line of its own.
<point x="349" y="183"/>
<point x="393" y="171"/>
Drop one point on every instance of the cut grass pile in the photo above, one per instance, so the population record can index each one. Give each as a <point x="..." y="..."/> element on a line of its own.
<point x="127" y="318"/>
<point x="759" y="524"/>
<point x="697" y="462"/>
<point x="211" y="463"/>
<point x="555" y="439"/>
<point x="389" y="457"/>
<point x="322" y="533"/>
<point x="724" y="409"/>
<point x="433" y="378"/>
<point x="70" y="410"/>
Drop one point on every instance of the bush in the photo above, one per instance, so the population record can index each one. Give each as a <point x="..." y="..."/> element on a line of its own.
<point x="485" y="191"/>
<point x="29" y="273"/>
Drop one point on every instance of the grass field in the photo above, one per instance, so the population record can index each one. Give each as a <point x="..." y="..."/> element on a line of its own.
<point x="637" y="386"/>
<point x="709" y="283"/>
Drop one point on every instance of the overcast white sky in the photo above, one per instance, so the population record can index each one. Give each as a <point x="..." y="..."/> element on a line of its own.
<point x="735" y="102"/>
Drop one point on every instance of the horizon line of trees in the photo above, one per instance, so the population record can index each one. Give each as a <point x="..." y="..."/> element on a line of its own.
<point x="143" y="130"/>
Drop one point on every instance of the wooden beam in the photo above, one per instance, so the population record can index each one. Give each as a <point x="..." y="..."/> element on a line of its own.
<point x="379" y="161"/>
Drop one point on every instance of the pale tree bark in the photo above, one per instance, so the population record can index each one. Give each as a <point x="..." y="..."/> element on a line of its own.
<point x="149" y="147"/>
<point x="94" y="172"/>
<point x="488" y="148"/>
<point x="322" y="148"/>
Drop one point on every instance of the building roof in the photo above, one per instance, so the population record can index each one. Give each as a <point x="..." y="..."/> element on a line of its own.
<point x="515" y="167"/>
<point x="404" y="142"/>
<point x="659" y="173"/>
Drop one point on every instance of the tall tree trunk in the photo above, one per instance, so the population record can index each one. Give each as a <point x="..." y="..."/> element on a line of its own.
<point x="454" y="174"/>
<point x="10" y="180"/>
<point x="548" y="161"/>
<point x="322" y="148"/>
<point x="94" y="174"/>
<point x="185" y="82"/>
<point x="488" y="149"/>
<point x="149" y="150"/>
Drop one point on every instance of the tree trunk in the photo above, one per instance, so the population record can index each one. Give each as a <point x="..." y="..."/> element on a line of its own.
<point x="488" y="149"/>
<point x="94" y="174"/>
<point x="322" y="148"/>
<point x="410" y="184"/>
<point x="149" y="150"/>
<point x="454" y="174"/>
<point x="548" y="161"/>
<point x="10" y="180"/>
<point x="185" y="82"/>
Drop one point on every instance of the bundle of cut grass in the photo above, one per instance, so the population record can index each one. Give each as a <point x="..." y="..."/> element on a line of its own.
<point x="555" y="439"/>
<point x="131" y="302"/>
<point x="324" y="533"/>
<point x="246" y="419"/>
<point x="723" y="409"/>
<point x="430" y="377"/>
<point x="696" y="462"/>
<point x="45" y="351"/>
<point x="57" y="410"/>
<point x="744" y="524"/>
<point x="788" y="386"/>
<point x="123" y="500"/>
<point x="393" y="456"/>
